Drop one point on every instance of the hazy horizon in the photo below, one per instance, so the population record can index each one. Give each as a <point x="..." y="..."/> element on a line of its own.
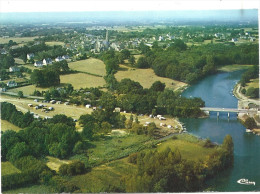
<point x="245" y="15"/>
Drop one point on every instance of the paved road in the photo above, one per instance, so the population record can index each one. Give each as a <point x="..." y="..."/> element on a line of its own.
<point x="213" y="109"/>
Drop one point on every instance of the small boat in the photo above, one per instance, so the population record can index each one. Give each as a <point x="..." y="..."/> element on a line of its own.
<point x="248" y="130"/>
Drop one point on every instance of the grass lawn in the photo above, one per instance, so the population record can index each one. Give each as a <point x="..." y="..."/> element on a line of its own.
<point x="253" y="83"/>
<point x="189" y="146"/>
<point x="93" y="66"/>
<point x="30" y="66"/>
<point x="146" y="77"/>
<point x="235" y="67"/>
<point x="17" y="39"/>
<point x="101" y="178"/>
<point x="28" y="90"/>
<point x="82" y="80"/>
<point x="5" y="125"/>
<point x="31" y="189"/>
<point x="112" y="148"/>
<point x="54" y="43"/>
<point x="8" y="168"/>
<point x="19" y="61"/>
<point x="55" y="163"/>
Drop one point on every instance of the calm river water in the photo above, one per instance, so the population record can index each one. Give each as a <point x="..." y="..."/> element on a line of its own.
<point x="216" y="91"/>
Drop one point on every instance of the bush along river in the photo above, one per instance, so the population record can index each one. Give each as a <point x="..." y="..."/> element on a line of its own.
<point x="216" y="91"/>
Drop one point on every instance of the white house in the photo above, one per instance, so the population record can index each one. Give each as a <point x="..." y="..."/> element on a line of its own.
<point x="234" y="40"/>
<point x="14" y="69"/>
<point x="65" y="57"/>
<point x="88" y="106"/>
<point x="38" y="64"/>
<point x="11" y="84"/>
<point x="30" y="56"/>
<point x="58" y="59"/>
<point x="47" y="61"/>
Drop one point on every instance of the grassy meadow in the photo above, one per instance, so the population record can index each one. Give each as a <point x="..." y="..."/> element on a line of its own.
<point x="115" y="147"/>
<point x="7" y="168"/>
<point x="82" y="80"/>
<point x="18" y="40"/>
<point x="28" y="90"/>
<point x="146" y="77"/>
<point x="5" y="125"/>
<point x="54" y="43"/>
<point x="253" y="83"/>
<point x="31" y="189"/>
<point x="93" y="66"/>
<point x="234" y="67"/>
<point x="191" y="150"/>
<point x="55" y="163"/>
<point x="104" y="177"/>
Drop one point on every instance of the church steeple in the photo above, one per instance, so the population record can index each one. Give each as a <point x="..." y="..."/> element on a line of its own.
<point x="107" y="36"/>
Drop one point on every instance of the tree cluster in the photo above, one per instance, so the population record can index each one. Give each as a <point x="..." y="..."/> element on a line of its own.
<point x="11" y="114"/>
<point x="45" y="77"/>
<point x="167" y="171"/>
<point x="192" y="64"/>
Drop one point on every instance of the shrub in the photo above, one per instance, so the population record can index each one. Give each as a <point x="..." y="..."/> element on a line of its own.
<point x="132" y="158"/>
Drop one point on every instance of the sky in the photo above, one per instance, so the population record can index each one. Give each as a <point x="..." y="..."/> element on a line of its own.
<point x="121" y="5"/>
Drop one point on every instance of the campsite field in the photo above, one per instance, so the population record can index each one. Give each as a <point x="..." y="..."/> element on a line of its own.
<point x="82" y="80"/>
<point x="146" y="77"/>
<point x="70" y="110"/>
<point x="5" y="125"/>
<point x="93" y="66"/>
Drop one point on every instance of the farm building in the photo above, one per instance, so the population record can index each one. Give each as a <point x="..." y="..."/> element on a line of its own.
<point x="30" y="56"/>
<point x="47" y="61"/>
<point x="38" y="64"/>
<point x="14" y="69"/>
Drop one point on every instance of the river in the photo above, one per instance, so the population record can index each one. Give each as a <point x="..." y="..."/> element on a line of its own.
<point x="216" y="91"/>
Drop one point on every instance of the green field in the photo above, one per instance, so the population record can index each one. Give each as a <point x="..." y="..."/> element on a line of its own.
<point x="93" y="66"/>
<point x="146" y="77"/>
<point x="8" y="168"/>
<point x="189" y="149"/>
<point x="54" y="43"/>
<point x="235" y="67"/>
<point x="54" y="163"/>
<point x="82" y="80"/>
<point x="5" y="125"/>
<point x="104" y="177"/>
<point x="32" y="189"/>
<point x="27" y="90"/>
<point x="112" y="148"/>
<point x="17" y="39"/>
<point x="253" y="83"/>
<point x="19" y="61"/>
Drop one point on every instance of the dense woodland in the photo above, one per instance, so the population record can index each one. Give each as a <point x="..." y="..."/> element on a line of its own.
<point x="251" y="73"/>
<point x="194" y="63"/>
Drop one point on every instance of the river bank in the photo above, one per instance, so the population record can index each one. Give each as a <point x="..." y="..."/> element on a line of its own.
<point x="246" y="103"/>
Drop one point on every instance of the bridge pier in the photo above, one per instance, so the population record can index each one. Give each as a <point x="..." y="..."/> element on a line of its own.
<point x="217" y="114"/>
<point x="228" y="114"/>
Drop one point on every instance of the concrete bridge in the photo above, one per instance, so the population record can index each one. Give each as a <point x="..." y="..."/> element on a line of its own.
<point x="228" y="110"/>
